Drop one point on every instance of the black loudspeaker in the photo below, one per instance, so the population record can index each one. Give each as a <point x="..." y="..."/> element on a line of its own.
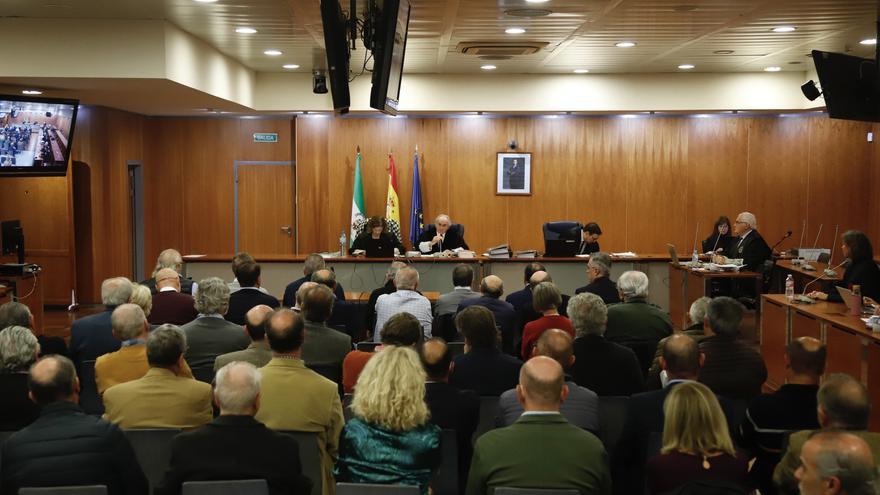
<point x="319" y="82"/>
<point x="810" y="90"/>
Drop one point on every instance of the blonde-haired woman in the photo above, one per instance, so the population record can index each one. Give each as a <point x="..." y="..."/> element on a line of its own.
<point x="696" y="442"/>
<point x="389" y="441"/>
<point x="141" y="295"/>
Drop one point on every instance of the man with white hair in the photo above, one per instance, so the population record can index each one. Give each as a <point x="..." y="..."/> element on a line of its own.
<point x="749" y="245"/>
<point x="171" y="258"/>
<point x="441" y="236"/>
<point x="18" y="350"/>
<point x="599" y="275"/>
<point x="635" y="322"/>
<point x="92" y="336"/>
<point x="836" y="463"/>
<point x="208" y="454"/>
<point x="404" y="300"/>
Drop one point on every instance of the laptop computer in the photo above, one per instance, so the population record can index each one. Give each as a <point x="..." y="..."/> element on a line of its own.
<point x="380" y="248"/>
<point x="673" y="254"/>
<point x="561" y="248"/>
<point x="853" y="302"/>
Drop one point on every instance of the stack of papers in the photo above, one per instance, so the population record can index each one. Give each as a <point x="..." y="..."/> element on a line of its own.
<point x="499" y="252"/>
<point x="528" y="253"/>
<point x="627" y="254"/>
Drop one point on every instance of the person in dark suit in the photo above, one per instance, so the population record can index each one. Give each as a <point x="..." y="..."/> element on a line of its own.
<point x="590" y="239"/>
<point x="323" y="345"/>
<point x="344" y="313"/>
<point x="92" y="336"/>
<point x="249" y="295"/>
<point x="312" y="263"/>
<point x="210" y="335"/>
<point x="861" y="269"/>
<point x="440" y="237"/>
<point x="15" y="313"/>
<point x="235" y="445"/>
<point x="599" y="274"/>
<point x="64" y="446"/>
<point x="523" y="297"/>
<point x="483" y="368"/>
<point x="169" y="304"/>
<point x="595" y="357"/>
<point x="721" y="237"/>
<point x="376" y="241"/>
<point x="171" y="258"/>
<point x="491" y="288"/>
<point x="749" y="245"/>
<point x="18" y="350"/>
<point x="450" y="408"/>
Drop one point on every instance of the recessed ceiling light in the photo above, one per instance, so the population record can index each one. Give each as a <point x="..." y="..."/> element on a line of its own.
<point x="723" y="52"/>
<point x="784" y="29"/>
<point x="686" y="66"/>
<point x="246" y="30"/>
<point x="488" y="67"/>
<point x="206" y="1"/>
<point x="537" y="1"/>
<point x="628" y="116"/>
<point x="581" y="71"/>
<point x="869" y="41"/>
<point x="772" y="69"/>
<point x="514" y="30"/>
<point x="290" y="66"/>
<point x="625" y="44"/>
<point x="273" y="53"/>
<point x="31" y="92"/>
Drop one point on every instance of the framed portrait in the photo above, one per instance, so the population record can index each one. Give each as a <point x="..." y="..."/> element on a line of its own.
<point x="514" y="174"/>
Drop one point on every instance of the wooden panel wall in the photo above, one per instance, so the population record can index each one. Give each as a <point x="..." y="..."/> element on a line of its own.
<point x="647" y="181"/>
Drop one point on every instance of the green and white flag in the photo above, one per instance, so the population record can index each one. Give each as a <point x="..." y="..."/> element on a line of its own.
<point x="357" y="200"/>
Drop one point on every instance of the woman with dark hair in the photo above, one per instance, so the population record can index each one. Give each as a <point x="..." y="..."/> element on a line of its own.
<point x="720" y="238"/>
<point x="861" y="269"/>
<point x="376" y="241"/>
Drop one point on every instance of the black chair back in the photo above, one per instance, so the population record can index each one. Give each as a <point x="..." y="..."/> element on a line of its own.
<point x="445" y="479"/>
<point x="645" y="351"/>
<point x="444" y="326"/>
<point x="310" y="458"/>
<point x="64" y="490"/>
<point x="612" y="418"/>
<point x="370" y="489"/>
<point x="504" y="490"/>
<point x="152" y="447"/>
<point x="225" y="487"/>
<point x="89" y="400"/>
<point x="455" y="348"/>
<point x="488" y="411"/>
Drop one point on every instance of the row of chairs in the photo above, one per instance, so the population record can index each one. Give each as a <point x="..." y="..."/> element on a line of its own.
<point x="259" y="487"/>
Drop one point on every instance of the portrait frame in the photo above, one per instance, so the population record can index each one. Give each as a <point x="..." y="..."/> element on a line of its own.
<point x="513" y="174"/>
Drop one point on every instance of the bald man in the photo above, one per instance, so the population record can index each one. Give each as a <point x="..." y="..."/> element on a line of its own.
<point x="491" y="290"/>
<point x="258" y="352"/>
<point x="406" y="299"/>
<point x="171" y="258"/>
<point x="508" y="457"/>
<point x="170" y="305"/>
<point x="836" y="463"/>
<point x="581" y="408"/>
<point x="65" y="447"/>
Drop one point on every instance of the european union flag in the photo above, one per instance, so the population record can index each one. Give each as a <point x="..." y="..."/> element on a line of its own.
<point x="416" y="221"/>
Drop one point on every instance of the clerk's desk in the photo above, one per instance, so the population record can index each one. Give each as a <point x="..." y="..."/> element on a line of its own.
<point x="686" y="285"/>
<point x="851" y="347"/>
<point x="803" y="277"/>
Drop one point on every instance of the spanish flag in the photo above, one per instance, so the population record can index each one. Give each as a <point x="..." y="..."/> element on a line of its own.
<point x="392" y="203"/>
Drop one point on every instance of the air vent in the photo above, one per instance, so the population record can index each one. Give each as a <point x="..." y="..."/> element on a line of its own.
<point x="528" y="12"/>
<point x="497" y="49"/>
<point x="495" y="57"/>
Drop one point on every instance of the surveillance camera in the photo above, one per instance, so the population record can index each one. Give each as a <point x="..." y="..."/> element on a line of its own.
<point x="512" y="144"/>
<point x="319" y="82"/>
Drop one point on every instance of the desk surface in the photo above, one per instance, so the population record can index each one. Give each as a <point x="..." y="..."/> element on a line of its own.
<point x="834" y="313"/>
<point x="702" y="272"/>
<point x="818" y="273"/>
<point x="299" y="258"/>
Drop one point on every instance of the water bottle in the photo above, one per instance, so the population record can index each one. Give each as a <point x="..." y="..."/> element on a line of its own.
<point x="343" y="241"/>
<point x="789" y="287"/>
<point x="695" y="258"/>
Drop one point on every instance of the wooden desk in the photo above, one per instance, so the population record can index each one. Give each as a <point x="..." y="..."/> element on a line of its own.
<point x="803" y="277"/>
<point x="851" y="347"/>
<point x="686" y="285"/>
<point x="364" y="297"/>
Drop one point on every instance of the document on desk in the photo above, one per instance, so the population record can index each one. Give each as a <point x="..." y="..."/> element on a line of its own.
<point x="627" y="254"/>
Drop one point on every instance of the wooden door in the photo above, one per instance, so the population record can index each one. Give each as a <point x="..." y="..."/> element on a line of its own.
<point x="265" y="209"/>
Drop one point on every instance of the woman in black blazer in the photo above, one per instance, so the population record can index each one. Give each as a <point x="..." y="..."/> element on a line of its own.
<point x="376" y="241"/>
<point x="861" y="269"/>
<point x="721" y="236"/>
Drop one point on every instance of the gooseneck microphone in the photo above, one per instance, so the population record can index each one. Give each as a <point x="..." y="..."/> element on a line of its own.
<point x="811" y="282"/>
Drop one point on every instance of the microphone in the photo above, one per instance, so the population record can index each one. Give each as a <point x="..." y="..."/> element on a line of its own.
<point x="786" y="236"/>
<point x="803" y="297"/>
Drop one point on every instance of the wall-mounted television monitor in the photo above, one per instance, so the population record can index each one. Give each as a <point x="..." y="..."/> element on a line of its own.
<point x="391" y="23"/>
<point x="35" y="135"/>
<point x="336" y="46"/>
<point x="849" y="86"/>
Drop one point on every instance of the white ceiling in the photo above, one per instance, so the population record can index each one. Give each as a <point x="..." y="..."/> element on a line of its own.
<point x="579" y="33"/>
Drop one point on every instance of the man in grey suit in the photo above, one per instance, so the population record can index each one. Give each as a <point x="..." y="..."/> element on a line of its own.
<point x="323" y="346"/>
<point x="210" y="335"/>
<point x="462" y="279"/>
<point x="258" y="352"/>
<point x="581" y="407"/>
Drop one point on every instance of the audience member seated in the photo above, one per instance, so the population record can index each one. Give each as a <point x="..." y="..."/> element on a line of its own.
<point x="599" y="275"/>
<point x="169" y="304"/>
<point x="696" y="314"/>
<point x="771" y="417"/>
<point x="388" y="288"/>
<point x="249" y="293"/>
<point x="209" y="335"/>
<point x="404" y="300"/>
<point x="581" y="407"/>
<point x="462" y="279"/>
<point x="312" y="263"/>
<point x="523" y="297"/>
<point x="402" y="329"/>
<point x="528" y="313"/>
<point x="636" y="323"/>
<point x="258" y="352"/>
<point x="482" y="368"/>
<point x="733" y="368"/>
<point x="512" y="457"/>
<point x="491" y="289"/>
<point x="295" y="397"/>
<point x="546" y="299"/>
<point x="297" y="307"/>
<point x="170" y="258"/>
<point x="601" y="366"/>
<point x="92" y="336"/>
<point x="389" y="440"/>
<point x="18" y="350"/>
<point x="343" y="314"/>
<point x="449" y="407"/>
<point x="837" y="462"/>
<point x="239" y="259"/>
<point x="323" y="345"/>
<point x="235" y="445"/>
<point x="162" y="398"/>
<point x="130" y="362"/>
<point x="64" y="446"/>
<point x="141" y="297"/>
<point x="862" y="269"/>
<point x="14" y="314"/>
<point x="696" y="443"/>
<point x="843" y="404"/>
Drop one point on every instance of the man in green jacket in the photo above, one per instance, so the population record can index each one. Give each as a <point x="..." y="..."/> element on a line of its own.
<point x="540" y="450"/>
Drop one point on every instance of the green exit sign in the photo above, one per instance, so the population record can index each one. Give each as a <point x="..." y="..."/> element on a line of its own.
<point x="265" y="137"/>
